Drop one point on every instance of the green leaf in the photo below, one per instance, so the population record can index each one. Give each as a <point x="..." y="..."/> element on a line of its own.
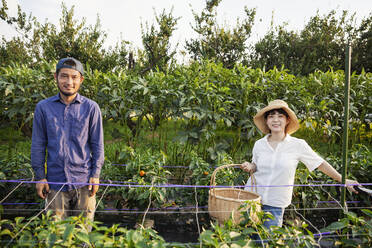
<point x="95" y="237"/>
<point x="235" y="245"/>
<point x="367" y="212"/>
<point x="26" y="240"/>
<point x="349" y="243"/>
<point x="158" y="244"/>
<point x="8" y="91"/>
<point x="51" y="240"/>
<point x="43" y="234"/>
<point x="84" y="237"/>
<point x="161" y="197"/>
<point x="6" y="232"/>
<point x="234" y="234"/>
<point x="68" y="232"/>
<point x="145" y="90"/>
<point x="193" y="135"/>
<point x="188" y="114"/>
<point x="335" y="226"/>
<point x="137" y="236"/>
<point x="228" y="122"/>
<point x="207" y="237"/>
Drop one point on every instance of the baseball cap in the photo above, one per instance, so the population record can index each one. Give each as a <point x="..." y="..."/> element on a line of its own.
<point x="70" y="63"/>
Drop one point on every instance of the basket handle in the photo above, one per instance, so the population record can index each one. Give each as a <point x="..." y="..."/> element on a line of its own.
<point x="213" y="177"/>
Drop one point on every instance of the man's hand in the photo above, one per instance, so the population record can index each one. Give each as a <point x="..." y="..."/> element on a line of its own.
<point x="42" y="189"/>
<point x="93" y="188"/>
<point x="351" y="187"/>
<point x="248" y="167"/>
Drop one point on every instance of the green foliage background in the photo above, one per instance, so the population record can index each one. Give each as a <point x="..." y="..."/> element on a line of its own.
<point x="192" y="116"/>
<point x="320" y="45"/>
<point x="198" y="116"/>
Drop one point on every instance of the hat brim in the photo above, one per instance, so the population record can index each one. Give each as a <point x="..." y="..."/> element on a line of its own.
<point x="260" y="122"/>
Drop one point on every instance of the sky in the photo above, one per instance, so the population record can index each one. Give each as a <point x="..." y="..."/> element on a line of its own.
<point x="121" y="19"/>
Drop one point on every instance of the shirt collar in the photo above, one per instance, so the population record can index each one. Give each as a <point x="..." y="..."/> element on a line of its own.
<point x="78" y="98"/>
<point x="55" y="98"/>
<point x="286" y="138"/>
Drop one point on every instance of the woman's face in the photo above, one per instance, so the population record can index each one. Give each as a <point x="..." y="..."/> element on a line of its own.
<point x="277" y="122"/>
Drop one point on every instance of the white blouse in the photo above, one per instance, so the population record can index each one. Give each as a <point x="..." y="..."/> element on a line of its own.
<point x="276" y="168"/>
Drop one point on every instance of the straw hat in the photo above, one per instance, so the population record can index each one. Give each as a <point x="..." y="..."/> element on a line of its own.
<point x="259" y="118"/>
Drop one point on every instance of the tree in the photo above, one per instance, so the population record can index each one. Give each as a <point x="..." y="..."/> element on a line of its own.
<point x="362" y="51"/>
<point x="277" y="48"/>
<point x="323" y="42"/>
<point x="319" y="46"/>
<point x="156" y="42"/>
<point x="73" y="39"/>
<point x="13" y="50"/>
<point x="219" y="43"/>
<point x="48" y="42"/>
<point x="17" y="49"/>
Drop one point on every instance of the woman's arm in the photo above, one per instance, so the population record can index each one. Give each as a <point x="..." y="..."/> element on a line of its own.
<point x="327" y="169"/>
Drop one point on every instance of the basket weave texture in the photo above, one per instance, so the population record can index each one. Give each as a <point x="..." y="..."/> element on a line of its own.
<point x="225" y="202"/>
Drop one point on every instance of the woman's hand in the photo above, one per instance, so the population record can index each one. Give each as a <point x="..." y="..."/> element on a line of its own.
<point x="351" y="187"/>
<point x="248" y="167"/>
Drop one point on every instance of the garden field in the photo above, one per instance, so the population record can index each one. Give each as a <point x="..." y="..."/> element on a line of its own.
<point x="165" y="133"/>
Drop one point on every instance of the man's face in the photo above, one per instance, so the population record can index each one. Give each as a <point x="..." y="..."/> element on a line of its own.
<point x="68" y="81"/>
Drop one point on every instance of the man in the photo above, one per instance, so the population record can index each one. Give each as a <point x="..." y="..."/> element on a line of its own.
<point x="69" y="127"/>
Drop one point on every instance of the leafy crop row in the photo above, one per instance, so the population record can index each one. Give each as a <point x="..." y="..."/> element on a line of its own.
<point x="201" y="94"/>
<point x="351" y="231"/>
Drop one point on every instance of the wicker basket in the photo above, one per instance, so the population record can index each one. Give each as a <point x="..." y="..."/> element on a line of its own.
<point x="225" y="202"/>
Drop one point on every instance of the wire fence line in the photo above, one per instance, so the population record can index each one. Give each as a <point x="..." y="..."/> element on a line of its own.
<point x="184" y="185"/>
<point x="158" y="211"/>
<point x="115" y="211"/>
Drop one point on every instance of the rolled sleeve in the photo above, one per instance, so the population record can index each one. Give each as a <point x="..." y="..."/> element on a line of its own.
<point x="309" y="157"/>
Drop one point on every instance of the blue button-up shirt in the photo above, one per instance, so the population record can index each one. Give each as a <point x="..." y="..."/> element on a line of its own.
<point x="72" y="135"/>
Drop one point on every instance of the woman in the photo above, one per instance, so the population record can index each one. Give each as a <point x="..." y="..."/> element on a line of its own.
<point x="275" y="158"/>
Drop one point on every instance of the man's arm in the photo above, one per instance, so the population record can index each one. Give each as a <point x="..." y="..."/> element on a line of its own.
<point x="97" y="146"/>
<point x="38" y="147"/>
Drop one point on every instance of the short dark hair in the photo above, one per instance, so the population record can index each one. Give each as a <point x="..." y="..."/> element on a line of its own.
<point x="279" y="110"/>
